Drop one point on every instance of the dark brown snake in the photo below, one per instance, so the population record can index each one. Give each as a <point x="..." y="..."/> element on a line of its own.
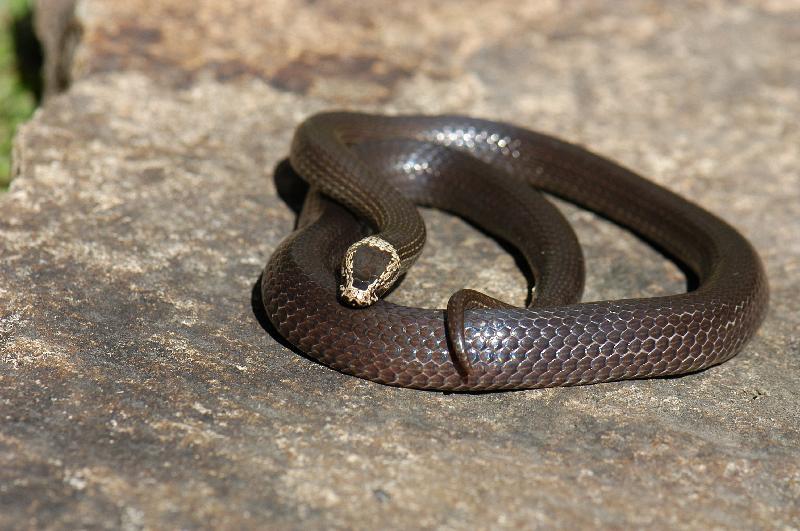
<point x="373" y="169"/>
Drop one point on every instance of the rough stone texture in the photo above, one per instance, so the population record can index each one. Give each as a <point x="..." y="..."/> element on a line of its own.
<point x="139" y="388"/>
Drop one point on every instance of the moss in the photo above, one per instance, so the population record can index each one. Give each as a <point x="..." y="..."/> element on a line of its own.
<point x="19" y="74"/>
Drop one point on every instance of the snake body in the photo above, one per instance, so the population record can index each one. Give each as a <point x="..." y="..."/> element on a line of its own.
<point x="372" y="169"/>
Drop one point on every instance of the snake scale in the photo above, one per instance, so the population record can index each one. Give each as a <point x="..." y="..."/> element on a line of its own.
<point x="360" y="230"/>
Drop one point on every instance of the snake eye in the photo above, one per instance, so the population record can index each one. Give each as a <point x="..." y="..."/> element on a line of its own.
<point x="369" y="269"/>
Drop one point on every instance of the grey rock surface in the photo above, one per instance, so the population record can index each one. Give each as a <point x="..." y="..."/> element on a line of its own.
<point x="141" y="388"/>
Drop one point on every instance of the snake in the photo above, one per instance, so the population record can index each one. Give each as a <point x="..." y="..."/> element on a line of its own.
<point x="360" y="231"/>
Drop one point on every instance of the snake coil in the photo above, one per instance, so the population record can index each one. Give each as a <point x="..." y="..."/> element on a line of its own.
<point x="367" y="172"/>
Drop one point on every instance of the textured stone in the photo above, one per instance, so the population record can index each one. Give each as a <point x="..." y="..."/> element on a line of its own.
<point x="139" y="387"/>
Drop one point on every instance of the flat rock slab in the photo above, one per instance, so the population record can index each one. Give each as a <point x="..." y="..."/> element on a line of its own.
<point x="141" y="387"/>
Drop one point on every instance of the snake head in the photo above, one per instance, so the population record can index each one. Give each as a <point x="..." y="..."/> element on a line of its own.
<point x="370" y="267"/>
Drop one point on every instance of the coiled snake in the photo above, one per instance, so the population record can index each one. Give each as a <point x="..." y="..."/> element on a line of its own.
<point x="360" y="230"/>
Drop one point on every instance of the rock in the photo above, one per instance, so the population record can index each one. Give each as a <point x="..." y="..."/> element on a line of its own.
<point x="140" y="384"/>
<point x="59" y="37"/>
